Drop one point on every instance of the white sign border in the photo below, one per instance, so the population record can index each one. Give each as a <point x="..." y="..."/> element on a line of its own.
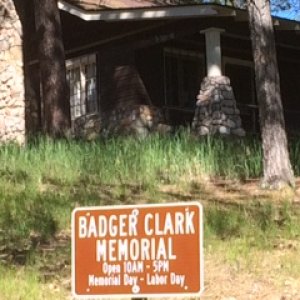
<point x="137" y="206"/>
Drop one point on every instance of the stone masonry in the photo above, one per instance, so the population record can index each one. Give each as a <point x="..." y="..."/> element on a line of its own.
<point x="216" y="111"/>
<point x="87" y="127"/>
<point x="138" y="120"/>
<point x="12" y="99"/>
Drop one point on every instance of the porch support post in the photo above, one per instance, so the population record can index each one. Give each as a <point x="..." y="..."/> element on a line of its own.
<point x="213" y="51"/>
<point x="216" y="111"/>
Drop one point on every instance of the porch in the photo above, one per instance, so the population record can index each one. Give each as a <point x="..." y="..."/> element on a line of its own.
<point x="149" y="71"/>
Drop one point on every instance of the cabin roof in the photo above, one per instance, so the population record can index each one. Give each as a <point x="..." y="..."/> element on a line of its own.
<point x="94" y="6"/>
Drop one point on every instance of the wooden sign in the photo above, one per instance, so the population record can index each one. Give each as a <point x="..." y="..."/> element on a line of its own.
<point x="137" y="251"/>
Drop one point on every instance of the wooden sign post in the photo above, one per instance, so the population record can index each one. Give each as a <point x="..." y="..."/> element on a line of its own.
<point x="137" y="251"/>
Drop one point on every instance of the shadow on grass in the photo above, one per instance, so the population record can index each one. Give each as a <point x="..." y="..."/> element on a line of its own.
<point x="231" y="210"/>
<point x="235" y="210"/>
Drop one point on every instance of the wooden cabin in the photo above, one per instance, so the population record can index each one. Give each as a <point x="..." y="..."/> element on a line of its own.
<point x="142" y="65"/>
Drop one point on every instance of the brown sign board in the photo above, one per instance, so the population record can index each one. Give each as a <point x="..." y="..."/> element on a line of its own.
<point x="137" y="251"/>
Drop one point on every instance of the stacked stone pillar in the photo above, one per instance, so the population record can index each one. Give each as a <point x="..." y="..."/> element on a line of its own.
<point x="216" y="111"/>
<point x="12" y="96"/>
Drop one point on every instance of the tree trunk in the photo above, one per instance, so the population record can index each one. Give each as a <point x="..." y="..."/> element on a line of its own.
<point x="276" y="162"/>
<point x="55" y="92"/>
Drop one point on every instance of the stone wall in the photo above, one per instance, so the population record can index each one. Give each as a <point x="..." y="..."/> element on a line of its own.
<point x="216" y="111"/>
<point x="138" y="120"/>
<point x="12" y="99"/>
<point x="87" y="127"/>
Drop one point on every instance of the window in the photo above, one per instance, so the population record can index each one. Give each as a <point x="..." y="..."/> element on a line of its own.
<point x="82" y="79"/>
<point x="184" y="71"/>
<point x="241" y="74"/>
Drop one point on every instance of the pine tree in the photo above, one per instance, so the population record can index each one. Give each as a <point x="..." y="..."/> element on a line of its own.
<point x="55" y="92"/>
<point x="276" y="162"/>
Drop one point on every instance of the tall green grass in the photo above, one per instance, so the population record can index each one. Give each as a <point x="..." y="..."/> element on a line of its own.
<point x="41" y="183"/>
<point x="24" y="284"/>
<point x="144" y="161"/>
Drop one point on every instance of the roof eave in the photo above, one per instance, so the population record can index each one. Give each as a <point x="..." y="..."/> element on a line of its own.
<point x="168" y="12"/>
<point x="147" y="13"/>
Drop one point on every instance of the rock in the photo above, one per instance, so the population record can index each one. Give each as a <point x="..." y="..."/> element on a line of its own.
<point x="239" y="132"/>
<point x="229" y="123"/>
<point x="238" y="122"/>
<point x="203" y="98"/>
<point x="224" y="130"/>
<point x="228" y="110"/>
<point x="141" y="132"/>
<point x="203" y="130"/>
<point x="217" y="122"/>
<point x="215" y="107"/>
<point x="217" y="99"/>
<point x="216" y="115"/>
<point x="87" y="127"/>
<point x="228" y="103"/>
<point x="206" y="122"/>
<point x="227" y="95"/>
<point x="163" y="129"/>
<point x="202" y="103"/>
<point x="4" y="45"/>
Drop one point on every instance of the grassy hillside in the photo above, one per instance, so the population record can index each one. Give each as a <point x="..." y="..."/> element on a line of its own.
<point x="42" y="183"/>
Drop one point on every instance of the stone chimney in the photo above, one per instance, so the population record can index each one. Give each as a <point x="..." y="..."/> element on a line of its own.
<point x="12" y="97"/>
